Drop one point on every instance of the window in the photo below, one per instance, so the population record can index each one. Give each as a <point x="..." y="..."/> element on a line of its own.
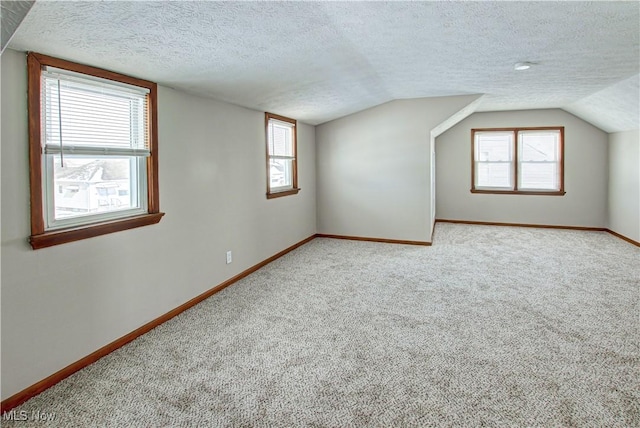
<point x="93" y="151"/>
<point x="518" y="161"/>
<point x="282" y="171"/>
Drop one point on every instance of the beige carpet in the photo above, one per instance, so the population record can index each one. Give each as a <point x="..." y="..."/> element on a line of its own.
<point x="492" y="326"/>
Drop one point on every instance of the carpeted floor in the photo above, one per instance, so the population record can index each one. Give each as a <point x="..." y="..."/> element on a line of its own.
<point x="492" y="326"/>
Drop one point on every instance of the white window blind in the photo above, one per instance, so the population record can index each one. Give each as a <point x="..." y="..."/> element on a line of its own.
<point x="280" y="139"/>
<point x="84" y="115"/>
<point x="494" y="160"/>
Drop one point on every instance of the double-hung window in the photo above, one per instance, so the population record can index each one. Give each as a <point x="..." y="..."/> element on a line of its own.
<point x="518" y="160"/>
<point x="93" y="151"/>
<point x="282" y="169"/>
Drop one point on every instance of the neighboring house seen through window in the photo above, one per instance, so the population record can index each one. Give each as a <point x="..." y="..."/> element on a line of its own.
<point x="282" y="170"/>
<point x="93" y="151"/>
<point x="518" y="160"/>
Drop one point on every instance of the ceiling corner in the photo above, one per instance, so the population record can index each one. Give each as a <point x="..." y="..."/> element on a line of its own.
<point x="458" y="117"/>
<point x="11" y="15"/>
<point x="615" y="108"/>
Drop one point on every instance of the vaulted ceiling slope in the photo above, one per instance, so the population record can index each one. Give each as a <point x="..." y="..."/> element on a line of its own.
<point x="12" y="13"/>
<point x="615" y="108"/>
<point x="318" y="61"/>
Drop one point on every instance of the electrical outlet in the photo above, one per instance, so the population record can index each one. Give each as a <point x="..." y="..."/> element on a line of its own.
<point x="229" y="257"/>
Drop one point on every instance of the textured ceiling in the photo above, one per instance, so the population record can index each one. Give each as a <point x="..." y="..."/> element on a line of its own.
<point x="318" y="61"/>
<point x="11" y="15"/>
<point x="615" y="108"/>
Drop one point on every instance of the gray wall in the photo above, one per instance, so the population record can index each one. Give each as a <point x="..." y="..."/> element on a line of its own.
<point x="59" y="304"/>
<point x="624" y="183"/>
<point x="374" y="169"/>
<point x="585" y="174"/>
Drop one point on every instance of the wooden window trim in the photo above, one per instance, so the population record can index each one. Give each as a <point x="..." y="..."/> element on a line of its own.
<point x="41" y="238"/>
<point x="295" y="189"/>
<point x="274" y="195"/>
<point x="516" y="191"/>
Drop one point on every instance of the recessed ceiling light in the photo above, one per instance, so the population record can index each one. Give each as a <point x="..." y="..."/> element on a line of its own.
<point x="522" y="66"/>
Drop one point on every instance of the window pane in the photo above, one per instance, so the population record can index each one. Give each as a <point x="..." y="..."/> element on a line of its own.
<point x="280" y="139"/>
<point x="89" y="186"/>
<point x="281" y="174"/>
<point x="535" y="175"/>
<point x="494" y="175"/>
<point x="539" y="153"/>
<point x="493" y="152"/>
<point x="494" y="146"/>
<point x="538" y="146"/>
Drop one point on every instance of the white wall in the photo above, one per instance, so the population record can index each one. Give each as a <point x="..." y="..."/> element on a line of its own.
<point x="585" y="174"/>
<point x="624" y="184"/>
<point x="374" y="169"/>
<point x="59" y="304"/>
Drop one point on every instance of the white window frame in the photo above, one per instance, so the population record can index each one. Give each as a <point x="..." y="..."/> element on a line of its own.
<point x="139" y="192"/>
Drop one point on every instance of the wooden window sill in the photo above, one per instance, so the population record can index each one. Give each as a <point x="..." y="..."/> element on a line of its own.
<point x="283" y="193"/>
<point x="62" y="236"/>
<point x="519" y="192"/>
